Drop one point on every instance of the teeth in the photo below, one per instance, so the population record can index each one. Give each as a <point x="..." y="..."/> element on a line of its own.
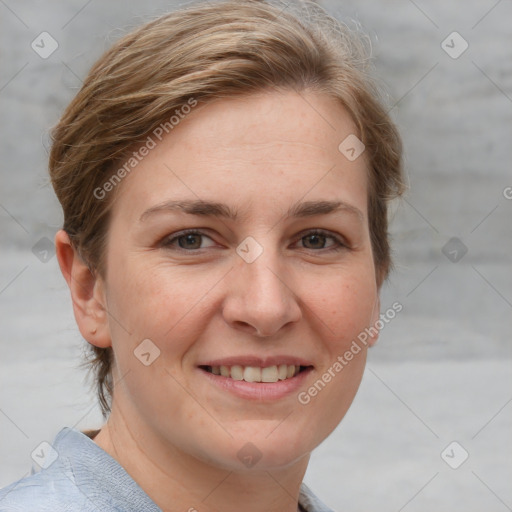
<point x="252" y="374"/>
<point x="237" y="372"/>
<point x="256" y="374"/>
<point x="269" y="374"/>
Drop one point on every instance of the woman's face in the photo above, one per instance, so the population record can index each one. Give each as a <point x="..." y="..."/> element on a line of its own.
<point x="273" y="276"/>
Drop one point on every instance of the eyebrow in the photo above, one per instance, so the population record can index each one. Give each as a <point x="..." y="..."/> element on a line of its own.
<point x="215" y="209"/>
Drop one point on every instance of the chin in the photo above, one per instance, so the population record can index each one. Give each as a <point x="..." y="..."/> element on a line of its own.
<point x="263" y="451"/>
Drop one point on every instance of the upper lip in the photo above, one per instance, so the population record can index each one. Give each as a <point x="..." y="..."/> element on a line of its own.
<point x="257" y="361"/>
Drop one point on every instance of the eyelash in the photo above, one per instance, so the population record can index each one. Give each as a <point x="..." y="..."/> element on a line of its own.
<point x="340" y="244"/>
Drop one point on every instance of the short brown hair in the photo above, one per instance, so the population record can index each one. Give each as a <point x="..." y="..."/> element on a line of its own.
<point x="205" y="52"/>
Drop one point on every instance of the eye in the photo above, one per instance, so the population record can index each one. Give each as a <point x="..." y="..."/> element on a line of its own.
<point x="193" y="240"/>
<point x="187" y="240"/>
<point x="317" y="239"/>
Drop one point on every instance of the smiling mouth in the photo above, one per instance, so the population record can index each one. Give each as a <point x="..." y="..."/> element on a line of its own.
<point x="255" y="373"/>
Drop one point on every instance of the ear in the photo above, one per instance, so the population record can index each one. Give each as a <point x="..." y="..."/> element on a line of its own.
<point x="373" y="330"/>
<point x="87" y="293"/>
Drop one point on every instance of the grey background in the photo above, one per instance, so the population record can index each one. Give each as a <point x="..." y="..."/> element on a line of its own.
<point x="442" y="368"/>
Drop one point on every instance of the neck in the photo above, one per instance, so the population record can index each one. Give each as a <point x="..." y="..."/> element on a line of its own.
<point x="175" y="480"/>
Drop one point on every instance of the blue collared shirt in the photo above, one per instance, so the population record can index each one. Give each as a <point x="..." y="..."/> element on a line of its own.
<point x="79" y="476"/>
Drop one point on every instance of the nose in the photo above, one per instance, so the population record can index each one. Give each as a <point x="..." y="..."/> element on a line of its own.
<point x="260" y="299"/>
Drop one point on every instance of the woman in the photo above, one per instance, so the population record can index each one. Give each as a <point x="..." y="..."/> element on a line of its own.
<point x="224" y="174"/>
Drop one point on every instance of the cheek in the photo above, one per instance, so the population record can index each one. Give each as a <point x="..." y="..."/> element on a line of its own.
<point x="156" y="302"/>
<point x="342" y="308"/>
<point x="345" y="304"/>
<point x="149" y="302"/>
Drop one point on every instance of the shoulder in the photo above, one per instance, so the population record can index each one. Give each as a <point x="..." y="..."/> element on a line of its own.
<point x="48" y="490"/>
<point x="76" y="476"/>
<point x="54" y="487"/>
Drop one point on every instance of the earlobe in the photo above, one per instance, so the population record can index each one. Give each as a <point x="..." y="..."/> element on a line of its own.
<point x="374" y="329"/>
<point x="87" y="293"/>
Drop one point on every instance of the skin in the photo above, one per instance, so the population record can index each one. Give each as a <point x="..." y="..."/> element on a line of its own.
<point x="173" y="431"/>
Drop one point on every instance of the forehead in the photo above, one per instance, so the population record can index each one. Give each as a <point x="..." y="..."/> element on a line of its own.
<point x="260" y="152"/>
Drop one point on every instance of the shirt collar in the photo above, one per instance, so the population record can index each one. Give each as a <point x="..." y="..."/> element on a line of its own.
<point x="109" y="487"/>
<point x="98" y="475"/>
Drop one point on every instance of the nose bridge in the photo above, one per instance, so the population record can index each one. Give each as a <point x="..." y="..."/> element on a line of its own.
<point x="261" y="298"/>
<point x="260" y="277"/>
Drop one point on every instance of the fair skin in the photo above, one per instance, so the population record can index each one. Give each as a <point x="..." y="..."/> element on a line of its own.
<point x="176" y="427"/>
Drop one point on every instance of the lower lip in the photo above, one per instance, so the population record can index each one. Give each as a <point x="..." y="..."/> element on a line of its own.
<point x="258" y="391"/>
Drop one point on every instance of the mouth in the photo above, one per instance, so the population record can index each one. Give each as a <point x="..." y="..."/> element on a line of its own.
<point x="256" y="374"/>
